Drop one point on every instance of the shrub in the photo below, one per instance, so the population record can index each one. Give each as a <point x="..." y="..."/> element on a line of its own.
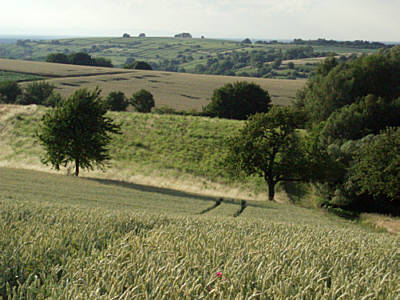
<point x="9" y="91"/>
<point x="116" y="101"/>
<point x="143" y="101"/>
<point x="36" y="93"/>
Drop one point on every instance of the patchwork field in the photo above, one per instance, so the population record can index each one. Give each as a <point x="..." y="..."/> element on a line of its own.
<point x="177" y="90"/>
<point x="82" y="238"/>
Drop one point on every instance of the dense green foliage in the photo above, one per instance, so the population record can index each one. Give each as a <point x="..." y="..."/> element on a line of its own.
<point x="116" y="101"/>
<point x="79" y="58"/>
<point x="376" y="168"/>
<point x="37" y="93"/>
<point x="142" y="101"/>
<point x="138" y="65"/>
<point x="238" y="101"/>
<point x="77" y="131"/>
<point x="336" y="85"/>
<point x="75" y="238"/>
<point x="9" y="91"/>
<point x="348" y="105"/>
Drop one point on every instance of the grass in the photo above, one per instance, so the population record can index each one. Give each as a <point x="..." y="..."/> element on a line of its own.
<point x="165" y="150"/>
<point x="14" y="76"/>
<point x="79" y="238"/>
<point x="177" y="90"/>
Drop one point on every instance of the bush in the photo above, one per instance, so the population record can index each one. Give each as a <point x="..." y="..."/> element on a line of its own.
<point x="143" y="101"/>
<point x="138" y="65"/>
<point x="238" y="101"/>
<point x="9" y="91"/>
<point x="377" y="165"/>
<point x="116" y="101"/>
<point x="36" y="93"/>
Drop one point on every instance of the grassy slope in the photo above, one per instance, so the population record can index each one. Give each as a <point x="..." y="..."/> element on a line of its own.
<point x="180" y="151"/>
<point x="177" y="90"/>
<point x="65" y="237"/>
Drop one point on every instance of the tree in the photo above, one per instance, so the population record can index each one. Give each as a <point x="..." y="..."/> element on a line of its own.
<point x="238" y="101"/>
<point x="269" y="146"/>
<point x="60" y="58"/>
<point x="139" y="65"/>
<point x="36" y="93"/>
<point x="336" y="85"/>
<point x="80" y="58"/>
<point x="143" y="101"/>
<point x="102" y="62"/>
<point x="77" y="131"/>
<point x="377" y="165"/>
<point x="9" y="91"/>
<point x="116" y="101"/>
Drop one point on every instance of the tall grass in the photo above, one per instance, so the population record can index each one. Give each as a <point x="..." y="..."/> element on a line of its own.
<point x="75" y="244"/>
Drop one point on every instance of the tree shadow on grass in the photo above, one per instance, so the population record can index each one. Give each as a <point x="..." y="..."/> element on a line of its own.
<point x="170" y="192"/>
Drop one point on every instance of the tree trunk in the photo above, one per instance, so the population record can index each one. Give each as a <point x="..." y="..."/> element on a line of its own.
<point x="271" y="190"/>
<point x="76" y="167"/>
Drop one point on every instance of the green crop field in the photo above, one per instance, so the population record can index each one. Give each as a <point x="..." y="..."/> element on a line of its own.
<point x="14" y="76"/>
<point x="149" y="228"/>
<point x="177" y="90"/>
<point x="83" y="238"/>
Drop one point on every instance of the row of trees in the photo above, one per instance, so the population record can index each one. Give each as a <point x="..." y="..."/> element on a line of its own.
<point x="43" y="93"/>
<point x="79" y="58"/>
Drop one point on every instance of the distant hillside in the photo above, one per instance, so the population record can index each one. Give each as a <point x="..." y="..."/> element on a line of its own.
<point x="177" y="90"/>
<point x="206" y="56"/>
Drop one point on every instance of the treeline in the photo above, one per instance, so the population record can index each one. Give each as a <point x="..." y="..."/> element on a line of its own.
<point x="263" y="62"/>
<point x="353" y="111"/>
<point x="79" y="58"/>
<point x="43" y="93"/>
<point x="360" y="44"/>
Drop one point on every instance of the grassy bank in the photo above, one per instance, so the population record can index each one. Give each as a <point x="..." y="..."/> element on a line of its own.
<point x="182" y="152"/>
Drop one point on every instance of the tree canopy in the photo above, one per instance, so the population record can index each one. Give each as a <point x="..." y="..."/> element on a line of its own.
<point x="143" y="101"/>
<point x="339" y="84"/>
<point x="238" y="101"/>
<point x="269" y="146"/>
<point x="77" y="131"/>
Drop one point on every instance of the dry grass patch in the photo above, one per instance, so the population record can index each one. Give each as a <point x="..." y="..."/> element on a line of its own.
<point x="178" y="90"/>
<point x="53" y="69"/>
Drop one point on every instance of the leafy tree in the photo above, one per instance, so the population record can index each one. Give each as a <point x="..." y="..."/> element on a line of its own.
<point x="238" y="101"/>
<point x="138" y="65"/>
<point x="116" y="101"/>
<point x="276" y="63"/>
<point x="269" y="146"/>
<point x="9" y="91"/>
<point x="36" y="93"/>
<point x="143" y="101"/>
<point x="290" y="65"/>
<point x="336" y="85"/>
<point x="80" y="58"/>
<point x="370" y="115"/>
<point x="102" y="62"/>
<point x="77" y="131"/>
<point x="60" y="58"/>
<point x="376" y="170"/>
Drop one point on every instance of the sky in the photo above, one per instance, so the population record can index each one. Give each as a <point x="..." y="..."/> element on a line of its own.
<point x="373" y="20"/>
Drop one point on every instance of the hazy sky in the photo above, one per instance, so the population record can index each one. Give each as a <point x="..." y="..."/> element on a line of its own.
<point x="376" y="20"/>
